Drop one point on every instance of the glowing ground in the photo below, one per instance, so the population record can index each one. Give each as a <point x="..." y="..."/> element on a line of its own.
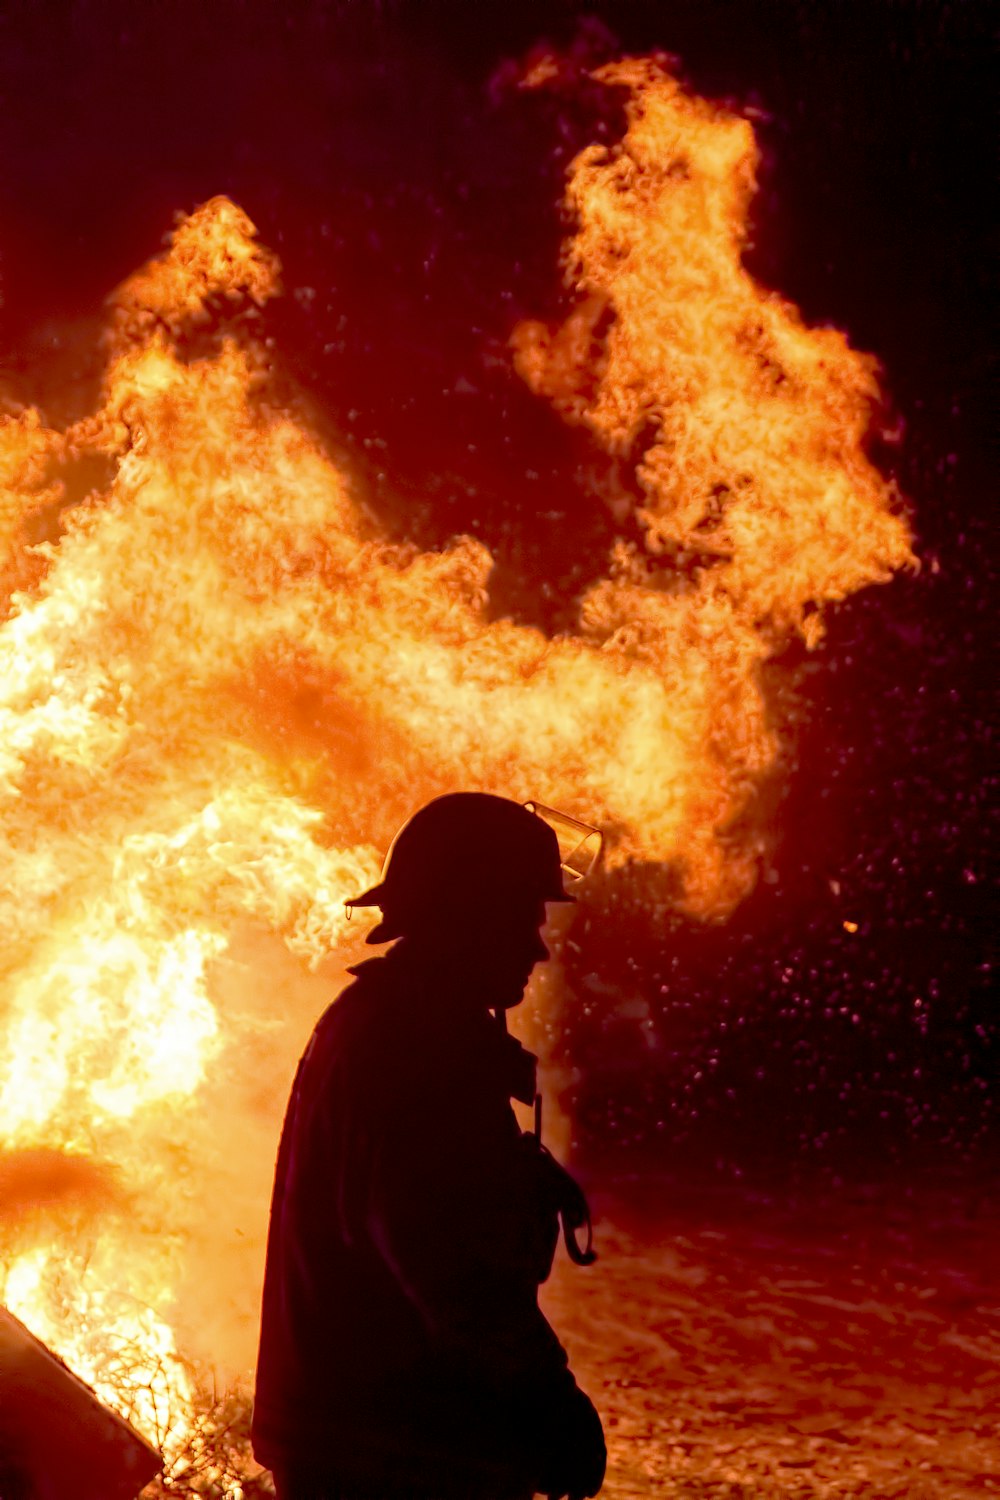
<point x="843" y="1347"/>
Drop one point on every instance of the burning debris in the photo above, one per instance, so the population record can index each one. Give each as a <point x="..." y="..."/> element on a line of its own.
<point x="221" y="690"/>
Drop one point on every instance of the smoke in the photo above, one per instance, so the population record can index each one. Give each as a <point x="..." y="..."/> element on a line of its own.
<point x="45" y="1180"/>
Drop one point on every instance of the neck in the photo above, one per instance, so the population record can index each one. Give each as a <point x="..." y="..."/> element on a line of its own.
<point x="460" y="966"/>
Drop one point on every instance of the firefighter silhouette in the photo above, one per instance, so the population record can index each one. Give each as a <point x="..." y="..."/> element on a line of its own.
<point x="402" y="1349"/>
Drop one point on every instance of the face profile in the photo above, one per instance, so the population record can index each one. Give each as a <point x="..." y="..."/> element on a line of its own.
<point x="503" y="944"/>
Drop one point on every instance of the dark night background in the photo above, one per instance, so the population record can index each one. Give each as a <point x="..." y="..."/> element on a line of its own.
<point x="415" y="211"/>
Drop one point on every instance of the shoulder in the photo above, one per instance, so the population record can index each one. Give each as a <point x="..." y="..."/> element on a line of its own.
<point x="341" y="1062"/>
<point x="355" y="1014"/>
<point x="375" y="1021"/>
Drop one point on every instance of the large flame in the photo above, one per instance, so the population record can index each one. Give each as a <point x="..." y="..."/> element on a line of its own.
<point x="221" y="691"/>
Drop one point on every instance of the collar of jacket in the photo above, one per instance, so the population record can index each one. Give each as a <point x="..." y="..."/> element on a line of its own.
<point x="437" y="986"/>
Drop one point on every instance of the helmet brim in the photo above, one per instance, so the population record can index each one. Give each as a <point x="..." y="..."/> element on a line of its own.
<point x="376" y="896"/>
<point x="368" y="898"/>
<point x="387" y="929"/>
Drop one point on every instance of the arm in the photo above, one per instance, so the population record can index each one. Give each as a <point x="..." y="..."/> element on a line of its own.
<point x="451" y="1212"/>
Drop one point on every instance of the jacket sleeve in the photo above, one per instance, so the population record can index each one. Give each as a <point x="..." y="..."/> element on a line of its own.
<point x="452" y="1211"/>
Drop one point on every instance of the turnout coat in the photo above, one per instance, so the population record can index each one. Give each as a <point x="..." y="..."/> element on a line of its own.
<point x="401" y="1340"/>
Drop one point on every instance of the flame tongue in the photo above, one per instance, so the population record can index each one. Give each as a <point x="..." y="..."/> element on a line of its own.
<point x="220" y="693"/>
<point x="743" y="428"/>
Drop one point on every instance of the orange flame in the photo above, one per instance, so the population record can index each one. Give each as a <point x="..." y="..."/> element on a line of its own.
<point x="744" y="429"/>
<point x="221" y="691"/>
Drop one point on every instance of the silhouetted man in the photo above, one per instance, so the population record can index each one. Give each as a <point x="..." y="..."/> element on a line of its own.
<point x="402" y="1351"/>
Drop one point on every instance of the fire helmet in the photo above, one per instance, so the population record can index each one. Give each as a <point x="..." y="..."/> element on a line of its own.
<point x="465" y="851"/>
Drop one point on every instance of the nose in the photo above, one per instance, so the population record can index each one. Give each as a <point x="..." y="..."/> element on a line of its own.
<point x="539" y="949"/>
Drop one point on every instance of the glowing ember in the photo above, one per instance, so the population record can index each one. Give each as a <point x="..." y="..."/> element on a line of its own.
<point x="220" y="693"/>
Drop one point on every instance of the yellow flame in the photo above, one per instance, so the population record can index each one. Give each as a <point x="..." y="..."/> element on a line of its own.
<point x="221" y="691"/>
<point x="123" y="1351"/>
<point x="744" y="428"/>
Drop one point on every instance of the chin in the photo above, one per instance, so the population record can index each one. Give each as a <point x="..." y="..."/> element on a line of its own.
<point x="509" y="995"/>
